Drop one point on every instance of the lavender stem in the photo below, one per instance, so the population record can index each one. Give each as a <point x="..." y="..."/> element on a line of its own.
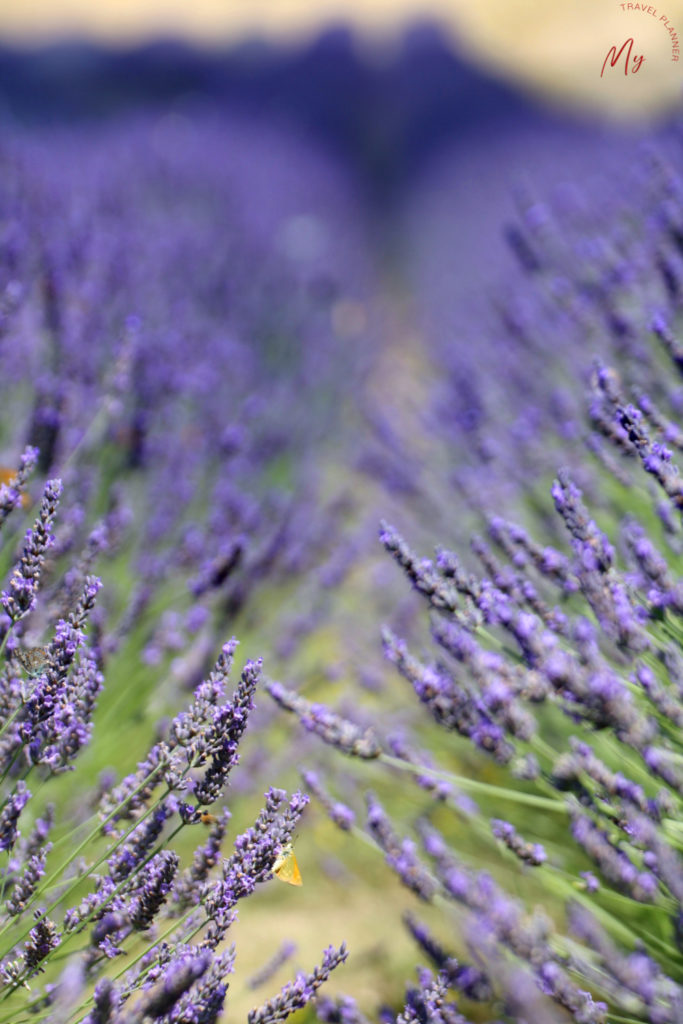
<point x="476" y="786"/>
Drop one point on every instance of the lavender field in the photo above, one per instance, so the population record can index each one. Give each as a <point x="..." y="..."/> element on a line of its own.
<point x="340" y="525"/>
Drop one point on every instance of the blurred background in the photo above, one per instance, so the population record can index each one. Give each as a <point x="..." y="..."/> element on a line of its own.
<point x="554" y="51"/>
<point x="392" y="89"/>
<point x="550" y="49"/>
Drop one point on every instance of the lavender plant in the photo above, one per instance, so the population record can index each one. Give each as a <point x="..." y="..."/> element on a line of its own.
<point x="553" y="670"/>
<point x="161" y="316"/>
<point x="114" y="887"/>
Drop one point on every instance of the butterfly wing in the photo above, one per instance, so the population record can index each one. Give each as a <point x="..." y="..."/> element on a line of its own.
<point x="286" y="869"/>
<point x="9" y="476"/>
<point x="32" y="659"/>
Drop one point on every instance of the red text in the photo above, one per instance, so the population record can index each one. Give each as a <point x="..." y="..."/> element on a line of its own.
<point x="613" y="57"/>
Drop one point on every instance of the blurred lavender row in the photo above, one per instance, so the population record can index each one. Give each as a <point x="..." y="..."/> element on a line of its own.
<point x="180" y="298"/>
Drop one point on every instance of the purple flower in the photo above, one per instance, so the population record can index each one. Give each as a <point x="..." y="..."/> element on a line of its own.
<point x="106" y="1000"/>
<point x="472" y="982"/>
<point x="614" y="863"/>
<point x="429" y="1003"/>
<point x="163" y="997"/>
<point x="21" y="596"/>
<point x="435" y="587"/>
<point x="332" y="728"/>
<point x="255" y="852"/>
<point x="223" y="736"/>
<point x="43" y="938"/>
<point x="529" y="853"/>
<point x="401" y="854"/>
<point x="188" y="887"/>
<point x="11" y="493"/>
<point x="9" y="815"/>
<point x="203" y="1002"/>
<point x="296" y="994"/>
<point x="450" y="703"/>
<point x="342" y="1010"/>
<point x="159" y="875"/>
<point x="265" y="973"/>
<point x="340" y="814"/>
<point x="27" y="883"/>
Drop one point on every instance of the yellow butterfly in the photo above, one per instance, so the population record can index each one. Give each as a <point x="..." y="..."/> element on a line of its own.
<point x="9" y="476"/>
<point x="286" y="868"/>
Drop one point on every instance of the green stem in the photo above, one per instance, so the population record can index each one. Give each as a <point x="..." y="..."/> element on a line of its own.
<point x="124" y="884"/>
<point x="58" y="873"/>
<point x="625" y="933"/>
<point x="130" y="964"/>
<point x="83" y="924"/>
<point x="99" y="417"/>
<point x="492" y="639"/>
<point x="476" y="786"/>
<point x="5" y="639"/>
<point x="4" y="880"/>
<point x="539" y="744"/>
<point x="10" y="721"/>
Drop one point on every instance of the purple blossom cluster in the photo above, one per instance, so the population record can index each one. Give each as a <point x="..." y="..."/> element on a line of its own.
<point x="127" y="887"/>
<point x="298" y="993"/>
<point x="611" y="768"/>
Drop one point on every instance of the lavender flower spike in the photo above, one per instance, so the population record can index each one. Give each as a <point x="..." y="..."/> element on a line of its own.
<point x="158" y="879"/>
<point x="530" y="853"/>
<point x="428" y="1003"/>
<point x="163" y="997"/>
<point x="401" y="855"/>
<point x="43" y="938"/>
<point x="342" y="816"/>
<point x="342" y="1010"/>
<point x="591" y="545"/>
<point x="255" y="852"/>
<point x="203" y="1003"/>
<point x="296" y="994"/>
<point x="332" y="728"/>
<point x="20" y="598"/>
<point x="27" y="883"/>
<point x="224" y="734"/>
<point x="438" y="591"/>
<point x="10" y="815"/>
<point x="106" y="1000"/>
<point x="467" y="979"/>
<point x="11" y="493"/>
<point x="265" y="973"/>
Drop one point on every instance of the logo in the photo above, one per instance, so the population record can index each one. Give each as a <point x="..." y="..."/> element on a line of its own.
<point x="628" y="55"/>
<point x="614" y="57"/>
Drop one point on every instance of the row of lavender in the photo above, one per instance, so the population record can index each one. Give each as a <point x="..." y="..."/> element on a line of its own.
<point x="178" y="300"/>
<point x="131" y="878"/>
<point x="555" y="647"/>
<point x="179" y="297"/>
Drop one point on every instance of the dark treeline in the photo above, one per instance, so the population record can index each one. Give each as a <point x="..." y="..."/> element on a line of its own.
<point x="384" y="114"/>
